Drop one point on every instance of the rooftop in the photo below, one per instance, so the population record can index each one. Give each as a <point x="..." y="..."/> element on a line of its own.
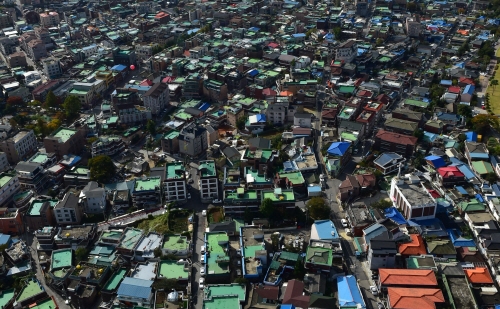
<point x="47" y="303"/>
<point x="217" y="261"/>
<point x="148" y="184"/>
<point x="62" y="258"/>
<point x="4" y="180"/>
<point x="279" y="195"/>
<point x="320" y="256"/>
<point x="115" y="280"/>
<point x="417" y="277"/>
<point x="207" y="169"/>
<point x="175" y="242"/>
<point x="175" y="170"/>
<point x="130" y="238"/>
<point x="173" y="270"/>
<point x="5" y="297"/>
<point x="30" y="289"/>
<point x="64" y="134"/>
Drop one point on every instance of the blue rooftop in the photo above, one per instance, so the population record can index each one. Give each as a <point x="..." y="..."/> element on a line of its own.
<point x="436" y="161"/>
<point x="458" y="240"/>
<point x="253" y="73"/>
<point x="348" y="292"/>
<point x="4" y="239"/>
<point x="446" y="82"/>
<point x="135" y="288"/>
<point x="471" y="136"/>
<point x="204" y="107"/>
<point x="325" y="230"/>
<point x="338" y="148"/>
<point x="393" y="214"/>
<point x="469" y="89"/>
<point x="466" y="170"/>
<point x="119" y="67"/>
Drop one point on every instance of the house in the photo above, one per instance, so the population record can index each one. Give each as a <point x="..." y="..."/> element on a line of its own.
<point x="414" y="298"/>
<point x="359" y="218"/>
<point x="467" y="94"/>
<point x="340" y="151"/>
<point x="476" y="151"/>
<point x="388" y="162"/>
<point x="414" y="201"/>
<point x="400" y="126"/>
<point x="68" y="210"/>
<point x="406" y="278"/>
<point x="135" y="291"/>
<point x="442" y="248"/>
<point x="450" y="176"/>
<point x="414" y="247"/>
<point x="482" y="168"/>
<point x="478" y="276"/>
<point x="294" y="294"/>
<point x="472" y="205"/>
<point x="382" y="252"/>
<point x="320" y="255"/>
<point x="303" y="120"/>
<point x="324" y="230"/>
<point x="348" y="189"/>
<point x="349" y="294"/>
<point x="395" y="142"/>
<point x="93" y="198"/>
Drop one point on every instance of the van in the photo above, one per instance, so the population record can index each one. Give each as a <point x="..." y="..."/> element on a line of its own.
<point x="202" y="249"/>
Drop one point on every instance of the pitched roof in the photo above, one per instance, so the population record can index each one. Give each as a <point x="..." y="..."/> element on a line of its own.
<point x="478" y="275"/>
<point x="417" y="277"/>
<point x="339" y="148"/>
<point x="348" y="292"/>
<point x="415" y="247"/>
<point x="450" y="171"/>
<point x="294" y="294"/>
<point x="441" y="247"/>
<point x="268" y="292"/>
<point x="405" y="298"/>
<point x="396" y="138"/>
<point x="135" y="288"/>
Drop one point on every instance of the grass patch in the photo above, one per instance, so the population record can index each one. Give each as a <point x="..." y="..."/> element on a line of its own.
<point x="215" y="215"/>
<point x="179" y="220"/>
<point x="495" y="93"/>
<point x="157" y="224"/>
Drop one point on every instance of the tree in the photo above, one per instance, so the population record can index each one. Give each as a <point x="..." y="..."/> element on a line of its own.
<point x="337" y="32"/>
<point x="165" y="284"/>
<point x="318" y="208"/>
<point x="411" y="6"/>
<point x="35" y="103"/>
<point x="80" y="254"/>
<point x="299" y="271"/>
<point x="240" y="280"/>
<point x="483" y="122"/>
<point x="50" y="100"/>
<point x="247" y="216"/>
<point x="72" y="106"/>
<point x="151" y="127"/>
<point x="464" y="110"/>
<point x="381" y="204"/>
<point x="494" y="83"/>
<point x="15" y="101"/>
<point x="418" y="160"/>
<point x="491" y="177"/>
<point x="267" y="208"/>
<point x="419" y="134"/>
<point x="53" y="125"/>
<point x="240" y="123"/>
<point x="379" y="42"/>
<point x="102" y="168"/>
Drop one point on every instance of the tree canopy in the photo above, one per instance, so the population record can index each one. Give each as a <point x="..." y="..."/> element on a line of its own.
<point x="318" y="208"/>
<point x="267" y="208"/>
<point x="464" y="110"/>
<point x="381" y="204"/>
<point x="50" y="100"/>
<point x="151" y="127"/>
<point x="483" y="122"/>
<point x="15" y="101"/>
<point x="72" y="106"/>
<point x="102" y="168"/>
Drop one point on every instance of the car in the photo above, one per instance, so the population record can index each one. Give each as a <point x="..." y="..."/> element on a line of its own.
<point x="157" y="149"/>
<point x="202" y="249"/>
<point x="216" y="201"/>
<point x="201" y="283"/>
<point x="380" y="305"/>
<point x="202" y="259"/>
<point x="202" y="271"/>
<point x="374" y="290"/>
<point x="374" y="276"/>
<point x="204" y="213"/>
<point x="190" y="180"/>
<point x="189" y="196"/>
<point x="344" y="223"/>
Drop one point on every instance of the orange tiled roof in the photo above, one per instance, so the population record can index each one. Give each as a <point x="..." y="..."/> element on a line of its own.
<point x="415" y="247"/>
<point x="422" y="277"/>
<point x="478" y="275"/>
<point x="404" y="298"/>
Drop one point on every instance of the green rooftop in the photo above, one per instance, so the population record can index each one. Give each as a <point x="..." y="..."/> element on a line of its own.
<point x="416" y="103"/>
<point x="173" y="270"/>
<point x="64" y="134"/>
<point x="148" y="184"/>
<point x="30" y="289"/>
<point x="112" y="234"/>
<point x="4" y="180"/>
<point x="295" y="178"/>
<point x="39" y="157"/>
<point x="218" y="290"/>
<point x="222" y="302"/>
<point x="482" y="167"/>
<point x="35" y="208"/>
<point x="217" y="260"/>
<point x="115" y="279"/>
<point x="130" y="238"/>
<point x="207" y="169"/>
<point x="255" y="177"/>
<point x="241" y="195"/>
<point x="171" y="135"/>
<point x="5" y="297"/>
<point x="62" y="258"/>
<point x="472" y="205"/>
<point x="320" y="256"/>
<point x="175" y="170"/>
<point x="277" y="196"/>
<point x="175" y="242"/>
<point x="47" y="303"/>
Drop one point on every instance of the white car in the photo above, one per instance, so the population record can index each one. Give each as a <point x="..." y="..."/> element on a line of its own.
<point x="216" y="201"/>
<point x="202" y="271"/>
<point x="189" y="196"/>
<point x="374" y="290"/>
<point x="157" y="149"/>
<point x="204" y="212"/>
<point x="201" y="282"/>
<point x="344" y="223"/>
<point x="202" y="259"/>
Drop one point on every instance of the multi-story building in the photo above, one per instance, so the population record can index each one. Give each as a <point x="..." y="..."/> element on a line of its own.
<point x="361" y="7"/>
<point x="49" y="19"/>
<point x="174" y="183"/>
<point x="276" y="114"/>
<point x="52" y="67"/>
<point x="412" y="198"/>
<point x="7" y="46"/>
<point x="36" y="49"/>
<point x="9" y="186"/>
<point x="32" y="176"/>
<point x="40" y="214"/>
<point x="108" y="145"/>
<point x="124" y="56"/>
<point x="413" y="27"/>
<point x="4" y="162"/>
<point x="208" y="181"/>
<point x="157" y="98"/>
<point x="347" y="51"/>
<point x="20" y="146"/>
<point x="17" y="59"/>
<point x="68" y="211"/>
<point x="135" y="114"/>
<point x="147" y="193"/>
<point x="395" y="142"/>
<point x="193" y="140"/>
<point x="93" y="198"/>
<point x="11" y="222"/>
<point x="170" y="142"/>
<point x="144" y="51"/>
<point x="5" y="21"/>
<point x="234" y="113"/>
<point x="65" y="141"/>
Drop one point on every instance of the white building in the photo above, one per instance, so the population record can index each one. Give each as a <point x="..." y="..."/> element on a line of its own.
<point x="144" y="51"/>
<point x="20" y="146"/>
<point x="49" y="19"/>
<point x="174" y="183"/>
<point x="414" y="201"/>
<point x="93" y="198"/>
<point x="347" y="51"/>
<point x="52" y="67"/>
<point x="9" y="187"/>
<point x="156" y="98"/>
<point x="31" y="76"/>
<point x="67" y="211"/>
<point x="208" y="183"/>
<point x="4" y="163"/>
<point x="134" y="115"/>
<point x="413" y="27"/>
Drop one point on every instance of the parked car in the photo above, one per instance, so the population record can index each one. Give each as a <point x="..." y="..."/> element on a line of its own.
<point x="374" y="290"/>
<point x="202" y="259"/>
<point x="202" y="271"/>
<point x="202" y="283"/>
<point x="157" y="149"/>
<point x="204" y="213"/>
<point x="344" y="223"/>
<point x="189" y="196"/>
<point x="202" y="249"/>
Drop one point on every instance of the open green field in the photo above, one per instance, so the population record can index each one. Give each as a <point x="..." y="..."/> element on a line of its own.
<point x="495" y="94"/>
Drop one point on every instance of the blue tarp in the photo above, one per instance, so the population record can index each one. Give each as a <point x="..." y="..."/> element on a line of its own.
<point x="461" y="190"/>
<point x="119" y="67"/>
<point x="479" y="197"/>
<point x="436" y="161"/>
<point x="204" y="106"/>
<point x="471" y="136"/>
<point x="393" y="214"/>
<point x="253" y="73"/>
<point x="348" y="292"/>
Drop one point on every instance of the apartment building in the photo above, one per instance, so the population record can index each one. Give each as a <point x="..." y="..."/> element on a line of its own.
<point x="174" y="183"/>
<point x="395" y="142"/>
<point x="147" y="193"/>
<point x="413" y="27"/>
<point x="4" y="162"/>
<point x="9" y="186"/>
<point x="49" y="19"/>
<point x="208" y="181"/>
<point x="347" y="51"/>
<point x="17" y="59"/>
<point x="108" y="145"/>
<point x="7" y="46"/>
<point x="276" y="114"/>
<point x="414" y="201"/>
<point x="52" y="67"/>
<point x="193" y="140"/>
<point x="65" y="141"/>
<point x="68" y="211"/>
<point x="135" y="114"/>
<point x="11" y="222"/>
<point x="40" y="214"/>
<point x="93" y="198"/>
<point x="19" y="147"/>
<point x="36" y="49"/>
<point x="32" y="176"/>
<point x="145" y="51"/>
<point x="5" y="21"/>
<point x="157" y="98"/>
<point x="234" y="113"/>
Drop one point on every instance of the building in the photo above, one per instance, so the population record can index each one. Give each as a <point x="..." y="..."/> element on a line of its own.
<point x="147" y="193"/>
<point x="347" y="51"/>
<point x="209" y="182"/>
<point x="5" y="21"/>
<point x="193" y="140"/>
<point x="157" y="98"/>
<point x="414" y="201"/>
<point x="325" y="230"/>
<point x="450" y="176"/>
<point x="40" y="214"/>
<point x="52" y="67"/>
<point x="382" y="252"/>
<point x="170" y="142"/>
<point x="19" y="147"/>
<point x="11" y="222"/>
<point x="9" y="186"/>
<point x="388" y="162"/>
<point x="413" y="27"/>
<point x="108" y="145"/>
<point x="234" y="113"/>
<point x="135" y="291"/>
<point x="395" y="142"/>
<point x="406" y="278"/>
<point x="32" y="176"/>
<point x="93" y="198"/>
<point x="277" y="114"/>
<point x="4" y="163"/>
<point x="68" y="211"/>
<point x="349" y="293"/>
<point x="124" y="57"/>
<point x="174" y="184"/>
<point x="49" y="19"/>
<point x="403" y="298"/>
<point x="65" y="141"/>
<point x="17" y="59"/>
<point x="36" y="49"/>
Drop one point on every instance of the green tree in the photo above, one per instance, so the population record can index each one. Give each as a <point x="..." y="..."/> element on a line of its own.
<point x="381" y="204"/>
<point x="80" y="254"/>
<point x="337" y="32"/>
<point x="318" y="208"/>
<point x="418" y="160"/>
<point x="72" y="106"/>
<point x="267" y="208"/>
<point x="248" y="216"/>
<point x="50" y="100"/>
<point x="102" y="168"/>
<point x="240" y="123"/>
<point x="240" y="280"/>
<point x="379" y="42"/>
<point x="483" y="122"/>
<point x="151" y="127"/>
<point x="464" y="110"/>
<point x="494" y="83"/>
<point x="299" y="271"/>
<point x="419" y="134"/>
<point x="491" y="177"/>
<point x="35" y="103"/>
